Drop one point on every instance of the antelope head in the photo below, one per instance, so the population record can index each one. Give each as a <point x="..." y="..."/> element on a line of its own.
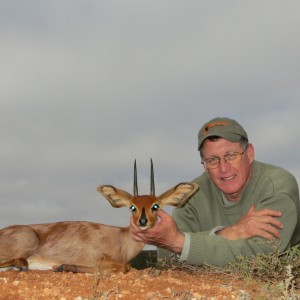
<point x="144" y="208"/>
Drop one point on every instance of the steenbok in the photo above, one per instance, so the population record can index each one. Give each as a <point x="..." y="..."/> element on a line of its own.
<point x="78" y="246"/>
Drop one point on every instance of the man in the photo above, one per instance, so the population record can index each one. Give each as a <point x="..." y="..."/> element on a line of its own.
<point x="241" y="204"/>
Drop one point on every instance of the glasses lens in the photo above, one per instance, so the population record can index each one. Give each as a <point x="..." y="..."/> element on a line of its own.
<point x="230" y="158"/>
<point x="212" y="162"/>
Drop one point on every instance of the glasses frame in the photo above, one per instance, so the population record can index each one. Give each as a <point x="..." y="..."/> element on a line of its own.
<point x="203" y="162"/>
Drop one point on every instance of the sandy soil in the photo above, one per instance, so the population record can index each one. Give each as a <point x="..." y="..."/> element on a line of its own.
<point x="148" y="284"/>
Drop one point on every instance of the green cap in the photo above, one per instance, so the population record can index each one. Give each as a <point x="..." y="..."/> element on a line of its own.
<point x="226" y="128"/>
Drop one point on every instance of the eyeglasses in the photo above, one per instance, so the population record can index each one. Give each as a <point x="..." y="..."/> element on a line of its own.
<point x="230" y="158"/>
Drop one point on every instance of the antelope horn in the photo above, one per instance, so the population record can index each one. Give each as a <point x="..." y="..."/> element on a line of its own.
<point x="135" y="186"/>
<point x="152" y="185"/>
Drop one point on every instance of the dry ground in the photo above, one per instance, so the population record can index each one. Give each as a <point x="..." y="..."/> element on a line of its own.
<point x="150" y="284"/>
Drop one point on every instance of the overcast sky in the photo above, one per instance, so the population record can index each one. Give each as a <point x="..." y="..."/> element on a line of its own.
<point x="88" y="86"/>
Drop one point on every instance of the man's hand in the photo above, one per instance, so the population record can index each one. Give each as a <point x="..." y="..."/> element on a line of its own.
<point x="163" y="234"/>
<point x="262" y="223"/>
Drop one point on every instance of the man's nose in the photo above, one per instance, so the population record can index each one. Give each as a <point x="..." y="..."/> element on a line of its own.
<point x="223" y="164"/>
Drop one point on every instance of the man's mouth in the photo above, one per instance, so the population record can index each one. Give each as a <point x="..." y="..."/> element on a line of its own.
<point x="228" y="178"/>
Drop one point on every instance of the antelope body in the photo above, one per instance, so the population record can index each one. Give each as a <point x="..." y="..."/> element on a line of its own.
<point x="79" y="246"/>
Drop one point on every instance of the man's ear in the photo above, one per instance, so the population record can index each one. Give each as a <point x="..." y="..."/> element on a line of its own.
<point x="250" y="152"/>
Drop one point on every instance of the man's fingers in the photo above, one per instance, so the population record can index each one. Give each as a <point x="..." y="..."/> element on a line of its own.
<point x="271" y="230"/>
<point x="137" y="238"/>
<point x="271" y="220"/>
<point x="251" y="209"/>
<point x="268" y="212"/>
<point x="265" y="234"/>
<point x="133" y="225"/>
<point x="264" y="229"/>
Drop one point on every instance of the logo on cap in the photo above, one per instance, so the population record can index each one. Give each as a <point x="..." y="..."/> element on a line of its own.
<point x="209" y="126"/>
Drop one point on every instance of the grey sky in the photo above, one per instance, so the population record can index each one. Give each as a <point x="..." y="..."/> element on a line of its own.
<point x="88" y="86"/>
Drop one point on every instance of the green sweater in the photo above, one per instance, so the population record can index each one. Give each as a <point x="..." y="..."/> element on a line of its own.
<point x="269" y="187"/>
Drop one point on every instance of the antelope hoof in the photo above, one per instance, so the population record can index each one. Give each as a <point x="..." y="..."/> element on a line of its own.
<point x="59" y="269"/>
<point x="73" y="269"/>
<point x="19" y="263"/>
<point x="23" y="268"/>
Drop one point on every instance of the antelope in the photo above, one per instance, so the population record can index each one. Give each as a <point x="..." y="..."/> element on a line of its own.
<point x="86" y="247"/>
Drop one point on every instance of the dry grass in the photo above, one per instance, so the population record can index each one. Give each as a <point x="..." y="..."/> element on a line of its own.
<point x="280" y="271"/>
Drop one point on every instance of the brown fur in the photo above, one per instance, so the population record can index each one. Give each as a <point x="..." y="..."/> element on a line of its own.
<point x="80" y="246"/>
<point x="70" y="243"/>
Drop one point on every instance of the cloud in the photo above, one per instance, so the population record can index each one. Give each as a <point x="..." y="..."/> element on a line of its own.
<point x="87" y="87"/>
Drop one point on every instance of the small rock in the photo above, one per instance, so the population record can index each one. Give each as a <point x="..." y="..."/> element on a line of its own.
<point x="150" y="295"/>
<point x="3" y="279"/>
<point x="16" y="282"/>
<point x="196" y="296"/>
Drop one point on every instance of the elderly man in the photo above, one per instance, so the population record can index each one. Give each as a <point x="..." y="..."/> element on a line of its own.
<point x="241" y="204"/>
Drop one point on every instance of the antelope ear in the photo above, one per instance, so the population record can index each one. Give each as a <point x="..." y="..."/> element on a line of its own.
<point x="116" y="197"/>
<point x="178" y="195"/>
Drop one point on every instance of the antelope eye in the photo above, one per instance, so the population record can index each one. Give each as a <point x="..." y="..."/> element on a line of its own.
<point x="155" y="207"/>
<point x="132" y="208"/>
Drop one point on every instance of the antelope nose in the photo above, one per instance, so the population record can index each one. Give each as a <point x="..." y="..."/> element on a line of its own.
<point x="143" y="219"/>
<point x="143" y="222"/>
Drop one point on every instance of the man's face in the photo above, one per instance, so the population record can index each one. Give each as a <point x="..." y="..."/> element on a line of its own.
<point x="230" y="179"/>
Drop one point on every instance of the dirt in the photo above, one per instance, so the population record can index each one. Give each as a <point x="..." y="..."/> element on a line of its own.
<point x="148" y="284"/>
